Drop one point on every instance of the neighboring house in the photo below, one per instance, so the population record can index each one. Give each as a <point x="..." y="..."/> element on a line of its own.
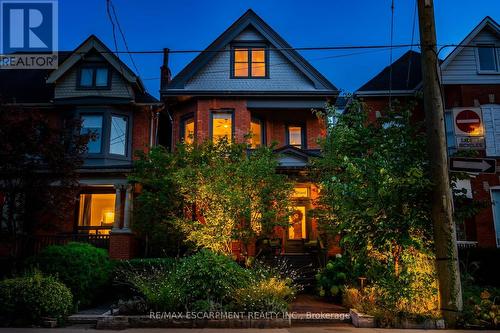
<point x="93" y="85"/>
<point x="249" y="80"/>
<point x="470" y="77"/>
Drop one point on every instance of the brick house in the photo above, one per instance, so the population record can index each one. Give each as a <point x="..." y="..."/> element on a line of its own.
<point x="95" y="86"/>
<point x="470" y="78"/>
<point x="249" y="80"/>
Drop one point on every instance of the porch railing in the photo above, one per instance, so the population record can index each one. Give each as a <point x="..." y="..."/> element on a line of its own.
<point x="32" y="245"/>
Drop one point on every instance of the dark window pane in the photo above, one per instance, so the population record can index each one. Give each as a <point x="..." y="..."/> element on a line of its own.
<point x="92" y="126"/>
<point x="487" y="58"/>
<point x="86" y="77"/>
<point x="118" y="135"/>
<point x="101" y="77"/>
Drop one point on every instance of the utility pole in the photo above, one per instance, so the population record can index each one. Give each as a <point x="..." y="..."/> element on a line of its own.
<point x="445" y="239"/>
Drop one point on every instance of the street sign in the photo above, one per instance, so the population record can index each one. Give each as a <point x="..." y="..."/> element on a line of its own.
<point x="475" y="165"/>
<point x="468" y="121"/>
<point x="470" y="142"/>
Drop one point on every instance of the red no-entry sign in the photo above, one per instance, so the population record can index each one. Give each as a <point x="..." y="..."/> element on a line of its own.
<point x="468" y="122"/>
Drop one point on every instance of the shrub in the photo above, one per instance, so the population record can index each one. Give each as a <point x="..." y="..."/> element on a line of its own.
<point x="272" y="294"/>
<point x="481" y="307"/>
<point x="28" y="299"/>
<point x="332" y="278"/>
<point x="209" y="276"/>
<point x="85" y="269"/>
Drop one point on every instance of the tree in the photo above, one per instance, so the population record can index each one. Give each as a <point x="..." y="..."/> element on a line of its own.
<point x="374" y="185"/>
<point x="38" y="168"/>
<point x="159" y="205"/>
<point x="230" y="194"/>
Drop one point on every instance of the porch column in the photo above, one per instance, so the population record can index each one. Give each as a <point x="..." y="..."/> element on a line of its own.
<point x="127" y="216"/>
<point x="118" y="208"/>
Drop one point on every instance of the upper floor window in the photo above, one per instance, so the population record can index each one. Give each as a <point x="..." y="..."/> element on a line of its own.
<point x="187" y="129"/>
<point x="487" y="58"/>
<point x="249" y="62"/>
<point x="108" y="133"/>
<point x="257" y="133"/>
<point x="94" y="77"/>
<point x="295" y="136"/>
<point x="92" y="126"/>
<point x="222" y="125"/>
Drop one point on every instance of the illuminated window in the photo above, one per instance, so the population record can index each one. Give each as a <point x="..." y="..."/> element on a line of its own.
<point x="92" y="126"/>
<point x="222" y="126"/>
<point x="487" y="55"/>
<point x="257" y="133"/>
<point x="300" y="192"/>
<point x="295" y="136"/>
<point x="118" y="135"/>
<point x="249" y="62"/>
<point x="96" y="213"/>
<point x="187" y="130"/>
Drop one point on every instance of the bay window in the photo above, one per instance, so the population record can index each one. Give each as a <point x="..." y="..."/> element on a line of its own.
<point x="108" y="132"/>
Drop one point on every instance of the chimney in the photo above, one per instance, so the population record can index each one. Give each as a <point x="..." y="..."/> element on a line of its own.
<point x="165" y="71"/>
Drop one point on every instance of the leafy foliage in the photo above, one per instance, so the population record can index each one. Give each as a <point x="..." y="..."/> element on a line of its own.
<point x="332" y="278"/>
<point x="34" y="155"/>
<point x="85" y="269"/>
<point x="158" y="207"/>
<point x="374" y="193"/>
<point x="481" y="307"/>
<point x="26" y="300"/>
<point x="207" y="281"/>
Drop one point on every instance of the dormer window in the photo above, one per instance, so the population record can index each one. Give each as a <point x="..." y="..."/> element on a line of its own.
<point x="249" y="61"/>
<point x="94" y="77"/>
<point x="487" y="58"/>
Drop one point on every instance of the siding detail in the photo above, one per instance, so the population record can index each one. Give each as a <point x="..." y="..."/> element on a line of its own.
<point x="463" y="69"/>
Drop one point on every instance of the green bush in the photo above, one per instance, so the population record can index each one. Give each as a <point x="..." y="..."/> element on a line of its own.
<point x="267" y="295"/>
<point x="207" y="282"/>
<point x="332" y="278"/>
<point x="28" y="299"/>
<point x="209" y="276"/>
<point x="85" y="269"/>
<point x="481" y="307"/>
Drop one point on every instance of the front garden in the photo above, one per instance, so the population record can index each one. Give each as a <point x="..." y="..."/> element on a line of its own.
<point x="196" y="204"/>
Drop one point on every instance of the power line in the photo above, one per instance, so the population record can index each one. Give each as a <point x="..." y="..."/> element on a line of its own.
<point x="287" y="63"/>
<point x="411" y="48"/>
<point x="123" y="36"/>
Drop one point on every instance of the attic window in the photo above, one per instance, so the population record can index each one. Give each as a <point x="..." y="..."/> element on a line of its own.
<point x="94" y="77"/>
<point x="487" y="58"/>
<point x="249" y="62"/>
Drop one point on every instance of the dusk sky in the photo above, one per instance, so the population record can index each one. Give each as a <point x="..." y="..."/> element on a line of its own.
<point x="194" y="24"/>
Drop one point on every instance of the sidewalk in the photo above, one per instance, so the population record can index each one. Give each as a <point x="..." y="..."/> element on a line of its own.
<point x="322" y="329"/>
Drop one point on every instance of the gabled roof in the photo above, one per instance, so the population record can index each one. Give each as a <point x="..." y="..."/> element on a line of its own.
<point x="406" y="77"/>
<point x="250" y="18"/>
<point x="36" y="86"/>
<point x="486" y="22"/>
<point x="94" y="43"/>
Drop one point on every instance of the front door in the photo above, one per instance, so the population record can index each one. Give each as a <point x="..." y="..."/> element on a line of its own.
<point x="297" y="231"/>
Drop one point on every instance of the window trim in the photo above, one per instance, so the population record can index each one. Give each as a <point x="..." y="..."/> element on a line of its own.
<point x="211" y="130"/>
<point x="497" y="58"/>
<point x="249" y="45"/>
<point x="263" y="141"/>
<point x="94" y="67"/>
<point x="107" y="113"/>
<point x="182" y="125"/>
<point x="303" y="135"/>
<point x="89" y="190"/>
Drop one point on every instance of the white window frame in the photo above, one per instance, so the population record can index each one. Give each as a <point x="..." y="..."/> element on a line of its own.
<point x="497" y="239"/>
<point x="497" y="58"/>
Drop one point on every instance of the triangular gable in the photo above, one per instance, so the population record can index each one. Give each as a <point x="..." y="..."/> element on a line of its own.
<point x="251" y="20"/>
<point x="486" y="22"/>
<point x="92" y="42"/>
